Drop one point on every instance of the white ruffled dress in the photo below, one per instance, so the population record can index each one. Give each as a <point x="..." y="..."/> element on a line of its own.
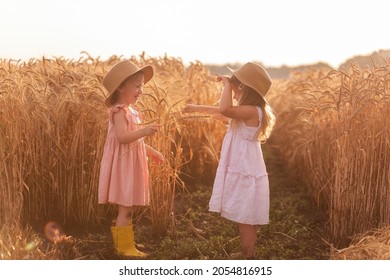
<point x="241" y="186"/>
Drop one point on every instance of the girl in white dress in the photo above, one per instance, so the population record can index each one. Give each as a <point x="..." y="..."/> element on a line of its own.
<point x="241" y="187"/>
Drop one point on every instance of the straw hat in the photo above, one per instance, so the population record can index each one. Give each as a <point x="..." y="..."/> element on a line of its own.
<point x="119" y="73"/>
<point x="254" y="76"/>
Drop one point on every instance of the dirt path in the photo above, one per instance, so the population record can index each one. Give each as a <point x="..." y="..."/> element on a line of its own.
<point x="297" y="229"/>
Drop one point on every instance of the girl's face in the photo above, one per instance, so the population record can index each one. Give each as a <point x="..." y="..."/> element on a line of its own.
<point x="132" y="90"/>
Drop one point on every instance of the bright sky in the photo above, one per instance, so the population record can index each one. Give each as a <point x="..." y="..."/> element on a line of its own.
<point x="274" y="32"/>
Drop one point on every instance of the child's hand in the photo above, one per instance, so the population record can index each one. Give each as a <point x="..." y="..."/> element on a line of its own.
<point x="151" y="129"/>
<point x="225" y="79"/>
<point x="157" y="157"/>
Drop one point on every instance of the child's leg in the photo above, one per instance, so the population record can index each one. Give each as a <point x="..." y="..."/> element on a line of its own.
<point x="123" y="234"/>
<point x="124" y="216"/>
<point x="248" y="235"/>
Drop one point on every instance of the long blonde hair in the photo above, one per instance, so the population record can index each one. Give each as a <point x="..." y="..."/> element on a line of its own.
<point x="251" y="97"/>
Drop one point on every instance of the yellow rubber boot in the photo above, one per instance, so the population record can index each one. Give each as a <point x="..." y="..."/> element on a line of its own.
<point x="130" y="224"/>
<point x="124" y="241"/>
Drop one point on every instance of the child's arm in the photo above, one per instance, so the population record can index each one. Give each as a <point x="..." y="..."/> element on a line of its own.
<point x="226" y="102"/>
<point x="124" y="136"/>
<point x="242" y="112"/>
<point x="156" y="155"/>
<point x="208" y="110"/>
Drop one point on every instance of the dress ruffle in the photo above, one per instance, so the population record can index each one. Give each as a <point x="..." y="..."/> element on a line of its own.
<point x="241" y="186"/>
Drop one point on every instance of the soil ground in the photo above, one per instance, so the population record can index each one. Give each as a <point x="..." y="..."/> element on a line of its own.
<point x="297" y="229"/>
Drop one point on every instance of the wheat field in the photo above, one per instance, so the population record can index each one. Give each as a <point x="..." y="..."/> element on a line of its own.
<point x="332" y="132"/>
<point x="54" y="124"/>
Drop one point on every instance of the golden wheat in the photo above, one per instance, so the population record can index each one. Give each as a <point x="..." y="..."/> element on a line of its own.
<point x="54" y="121"/>
<point x="334" y="135"/>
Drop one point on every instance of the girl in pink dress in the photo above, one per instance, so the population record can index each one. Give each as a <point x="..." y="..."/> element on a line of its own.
<point x="124" y="176"/>
<point x="241" y="187"/>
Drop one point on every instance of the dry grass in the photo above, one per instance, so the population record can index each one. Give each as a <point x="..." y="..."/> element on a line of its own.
<point x="333" y="131"/>
<point x="17" y="243"/>
<point x="372" y="245"/>
<point x="54" y="121"/>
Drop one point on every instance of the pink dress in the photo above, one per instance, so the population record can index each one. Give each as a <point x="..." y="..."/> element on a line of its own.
<point x="241" y="187"/>
<point x="124" y="175"/>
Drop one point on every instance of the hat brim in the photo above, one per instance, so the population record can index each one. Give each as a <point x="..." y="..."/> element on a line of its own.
<point x="234" y="73"/>
<point x="148" y="75"/>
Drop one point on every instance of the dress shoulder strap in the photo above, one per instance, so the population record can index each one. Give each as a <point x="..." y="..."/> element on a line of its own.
<point x="116" y="109"/>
